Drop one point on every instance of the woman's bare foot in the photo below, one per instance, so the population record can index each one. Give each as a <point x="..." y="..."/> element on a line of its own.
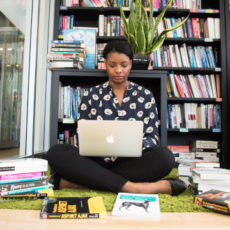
<point x="67" y="184"/>
<point x="161" y="186"/>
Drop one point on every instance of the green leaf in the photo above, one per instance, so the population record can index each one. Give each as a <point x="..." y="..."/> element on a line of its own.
<point x="157" y="43"/>
<point x="150" y="14"/>
<point x="138" y="8"/>
<point x="158" y="20"/>
<point x="123" y="18"/>
<point x="141" y="41"/>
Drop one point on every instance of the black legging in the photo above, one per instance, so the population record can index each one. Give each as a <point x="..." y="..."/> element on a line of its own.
<point x="95" y="173"/>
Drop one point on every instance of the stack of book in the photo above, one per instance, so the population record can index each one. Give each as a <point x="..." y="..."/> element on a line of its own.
<point x="187" y="165"/>
<point x="205" y="150"/>
<point x="204" y="179"/>
<point x="181" y="152"/>
<point x="24" y="178"/>
<point x="66" y="54"/>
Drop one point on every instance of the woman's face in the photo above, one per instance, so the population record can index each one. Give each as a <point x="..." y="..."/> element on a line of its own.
<point x="118" y="66"/>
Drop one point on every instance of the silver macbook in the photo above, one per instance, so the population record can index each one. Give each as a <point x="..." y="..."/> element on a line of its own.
<point x="110" y="138"/>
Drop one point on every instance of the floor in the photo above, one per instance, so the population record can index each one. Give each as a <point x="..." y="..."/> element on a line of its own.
<point x="29" y="219"/>
<point x="9" y="153"/>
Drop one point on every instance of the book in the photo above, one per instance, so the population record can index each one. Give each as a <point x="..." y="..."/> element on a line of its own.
<point x="30" y="195"/>
<point x="199" y="163"/>
<point x="19" y="176"/>
<point x="204" y="144"/>
<point x="23" y="185"/>
<point x="73" y="208"/>
<point x="137" y="205"/>
<point x="215" y="200"/>
<point x="25" y="165"/>
<point x="211" y="173"/>
<point x="179" y="148"/>
<point x="88" y="35"/>
<point x="25" y="190"/>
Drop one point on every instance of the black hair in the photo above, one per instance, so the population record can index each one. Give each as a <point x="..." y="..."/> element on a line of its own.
<point x="119" y="46"/>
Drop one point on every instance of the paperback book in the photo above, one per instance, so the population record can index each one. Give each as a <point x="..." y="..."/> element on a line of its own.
<point x="137" y="205"/>
<point x="23" y="166"/>
<point x="215" y="200"/>
<point x="73" y="208"/>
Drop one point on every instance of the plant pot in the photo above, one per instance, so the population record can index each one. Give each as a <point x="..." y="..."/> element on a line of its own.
<point x="141" y="61"/>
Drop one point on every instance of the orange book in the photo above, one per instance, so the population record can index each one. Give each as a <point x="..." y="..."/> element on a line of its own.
<point x="179" y="148"/>
<point x="218" y="94"/>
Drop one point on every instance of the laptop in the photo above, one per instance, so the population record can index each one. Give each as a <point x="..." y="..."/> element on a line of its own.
<point x="105" y="138"/>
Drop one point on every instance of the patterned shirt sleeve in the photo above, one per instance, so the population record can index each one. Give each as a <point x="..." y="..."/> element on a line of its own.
<point x="151" y="137"/>
<point x="84" y="108"/>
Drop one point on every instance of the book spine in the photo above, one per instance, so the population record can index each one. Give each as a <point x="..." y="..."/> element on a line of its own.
<point x="18" y="176"/>
<point x="23" y="185"/>
<point x="16" y="170"/>
<point x="25" y="190"/>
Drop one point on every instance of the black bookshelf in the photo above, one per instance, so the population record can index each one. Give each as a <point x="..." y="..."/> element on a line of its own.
<point x="168" y="136"/>
<point x="152" y="80"/>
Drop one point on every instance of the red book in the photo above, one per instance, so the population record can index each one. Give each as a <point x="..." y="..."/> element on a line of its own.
<point x="195" y="28"/>
<point x="178" y="85"/>
<point x="179" y="148"/>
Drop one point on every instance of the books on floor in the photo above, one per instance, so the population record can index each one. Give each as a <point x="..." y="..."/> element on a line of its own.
<point x="73" y="208"/>
<point x="215" y="200"/>
<point x="137" y="206"/>
<point x="24" y="178"/>
<point x="204" y="179"/>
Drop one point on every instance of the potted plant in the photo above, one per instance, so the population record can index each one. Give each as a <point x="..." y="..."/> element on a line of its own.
<point x="140" y="31"/>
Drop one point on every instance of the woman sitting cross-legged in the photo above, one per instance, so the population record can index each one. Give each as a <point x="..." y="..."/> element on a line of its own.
<point x="117" y="99"/>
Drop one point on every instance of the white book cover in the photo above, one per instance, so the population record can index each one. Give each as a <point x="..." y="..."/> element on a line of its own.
<point x="23" y="165"/>
<point x="211" y="173"/>
<point x="137" y="205"/>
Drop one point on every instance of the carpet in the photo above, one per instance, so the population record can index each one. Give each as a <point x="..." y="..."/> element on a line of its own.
<point x="181" y="203"/>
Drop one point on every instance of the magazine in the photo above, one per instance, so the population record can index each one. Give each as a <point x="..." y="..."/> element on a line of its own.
<point x="137" y="205"/>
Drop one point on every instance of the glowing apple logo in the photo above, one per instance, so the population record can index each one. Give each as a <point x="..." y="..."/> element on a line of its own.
<point x="110" y="139"/>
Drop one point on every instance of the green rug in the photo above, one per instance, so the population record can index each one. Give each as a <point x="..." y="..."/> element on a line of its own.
<point x="181" y="203"/>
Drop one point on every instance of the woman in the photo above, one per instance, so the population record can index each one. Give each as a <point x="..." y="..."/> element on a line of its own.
<point x="118" y="99"/>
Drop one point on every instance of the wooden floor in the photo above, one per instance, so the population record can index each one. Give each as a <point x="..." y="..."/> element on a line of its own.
<point x="29" y="220"/>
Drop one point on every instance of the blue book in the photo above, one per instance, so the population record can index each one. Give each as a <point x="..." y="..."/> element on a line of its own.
<point x="72" y="24"/>
<point x="73" y="103"/>
<point x="192" y="57"/>
<point x="189" y="27"/>
<point x="173" y="22"/>
<point x="60" y="25"/>
<point x="88" y="35"/>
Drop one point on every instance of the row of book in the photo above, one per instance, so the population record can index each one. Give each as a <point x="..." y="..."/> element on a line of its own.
<point x="179" y="4"/>
<point x="184" y="56"/>
<point x="208" y="28"/>
<point x="193" y="86"/>
<point x="110" y="25"/>
<point x="67" y="137"/>
<point x="194" y="116"/>
<point x="69" y="101"/>
<point x="24" y="178"/>
<point x="66" y="54"/>
<point x="193" y="28"/>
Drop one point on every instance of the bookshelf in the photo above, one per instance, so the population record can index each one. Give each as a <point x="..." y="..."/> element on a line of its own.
<point x="154" y="81"/>
<point x="176" y="136"/>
